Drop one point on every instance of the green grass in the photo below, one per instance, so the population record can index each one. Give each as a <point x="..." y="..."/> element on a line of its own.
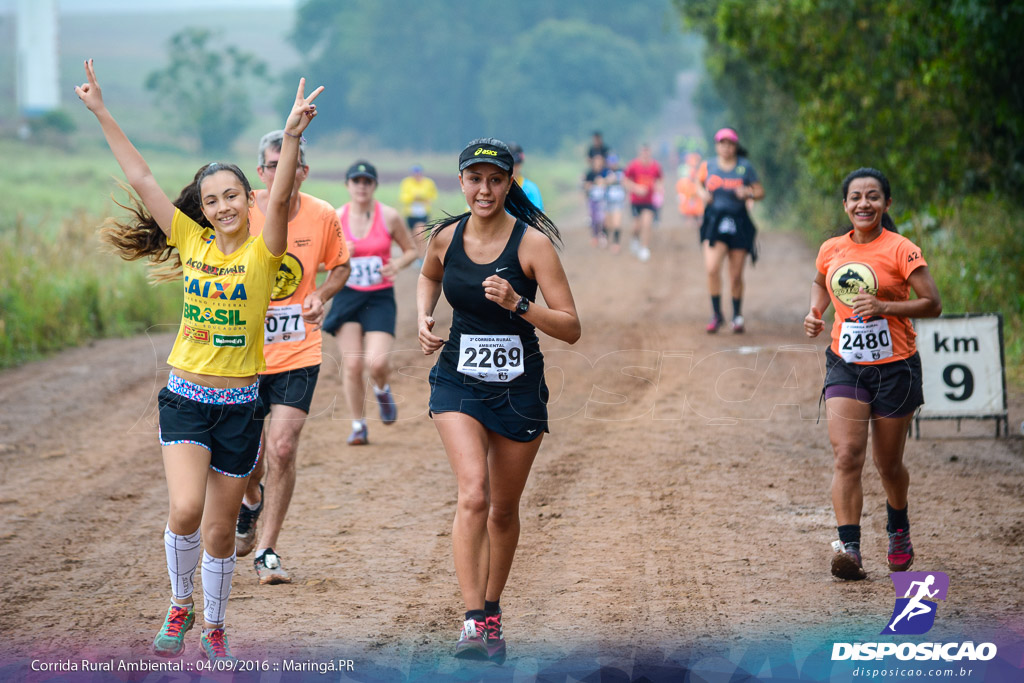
<point x="60" y="288"/>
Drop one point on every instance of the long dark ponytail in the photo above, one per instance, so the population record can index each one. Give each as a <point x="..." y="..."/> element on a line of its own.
<point x="868" y="172"/>
<point x="139" y="236"/>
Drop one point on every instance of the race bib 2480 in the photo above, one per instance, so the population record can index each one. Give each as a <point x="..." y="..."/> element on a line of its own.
<point x="865" y="342"/>
<point x="490" y="357"/>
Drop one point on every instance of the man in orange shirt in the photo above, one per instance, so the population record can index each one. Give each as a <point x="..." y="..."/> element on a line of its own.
<point x="292" y="348"/>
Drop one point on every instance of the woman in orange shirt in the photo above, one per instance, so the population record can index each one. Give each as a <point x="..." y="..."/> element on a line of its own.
<point x="873" y="380"/>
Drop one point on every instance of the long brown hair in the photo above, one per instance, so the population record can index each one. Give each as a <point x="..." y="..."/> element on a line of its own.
<point x="139" y="236"/>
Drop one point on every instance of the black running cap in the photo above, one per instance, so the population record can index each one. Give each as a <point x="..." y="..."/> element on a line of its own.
<point x="486" y="151"/>
<point x="361" y="169"/>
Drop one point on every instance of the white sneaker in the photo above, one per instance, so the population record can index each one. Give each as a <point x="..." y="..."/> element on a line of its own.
<point x="644" y="254"/>
<point x="634" y="246"/>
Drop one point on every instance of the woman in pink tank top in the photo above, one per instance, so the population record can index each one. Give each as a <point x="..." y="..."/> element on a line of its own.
<point x="362" y="315"/>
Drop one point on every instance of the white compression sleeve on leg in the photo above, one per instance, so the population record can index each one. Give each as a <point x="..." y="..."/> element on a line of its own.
<point x="182" y="560"/>
<point x="217" y="573"/>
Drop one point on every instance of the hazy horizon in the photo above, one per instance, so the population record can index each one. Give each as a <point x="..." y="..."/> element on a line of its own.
<point x="153" y="6"/>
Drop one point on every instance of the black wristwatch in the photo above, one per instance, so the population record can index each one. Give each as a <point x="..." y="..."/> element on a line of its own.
<point x="523" y="305"/>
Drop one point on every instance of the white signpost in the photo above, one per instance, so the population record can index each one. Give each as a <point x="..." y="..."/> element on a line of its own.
<point x="962" y="364"/>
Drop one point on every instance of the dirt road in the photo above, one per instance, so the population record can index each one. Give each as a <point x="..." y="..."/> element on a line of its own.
<point x="678" y="515"/>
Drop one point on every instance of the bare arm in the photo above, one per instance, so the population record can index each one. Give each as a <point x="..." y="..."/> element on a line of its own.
<point x="313" y="306"/>
<point x="559" y="318"/>
<point x="753" y="191"/>
<point x="135" y="168"/>
<point x="428" y="291"/>
<point x="813" y="323"/>
<point x="275" y="230"/>
<point x="400" y="233"/>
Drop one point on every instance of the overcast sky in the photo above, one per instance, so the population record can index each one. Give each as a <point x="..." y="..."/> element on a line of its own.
<point x="131" y="6"/>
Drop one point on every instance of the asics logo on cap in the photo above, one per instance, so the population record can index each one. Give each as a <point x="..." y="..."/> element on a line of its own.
<point x="488" y="152"/>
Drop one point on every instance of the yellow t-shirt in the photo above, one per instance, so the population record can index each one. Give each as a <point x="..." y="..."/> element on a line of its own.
<point x="416" y="195"/>
<point x="314" y="237"/>
<point x="226" y="299"/>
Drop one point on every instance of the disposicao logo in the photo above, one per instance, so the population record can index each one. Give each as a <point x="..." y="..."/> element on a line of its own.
<point x="914" y="614"/>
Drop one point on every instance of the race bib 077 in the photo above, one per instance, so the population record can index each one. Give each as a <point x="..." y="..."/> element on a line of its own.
<point x="491" y="358"/>
<point x="284" y="323"/>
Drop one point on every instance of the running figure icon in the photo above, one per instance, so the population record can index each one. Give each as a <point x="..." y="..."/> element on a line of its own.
<point x="915" y="607"/>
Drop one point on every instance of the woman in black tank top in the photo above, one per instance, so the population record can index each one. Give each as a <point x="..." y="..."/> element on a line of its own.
<point x="488" y="397"/>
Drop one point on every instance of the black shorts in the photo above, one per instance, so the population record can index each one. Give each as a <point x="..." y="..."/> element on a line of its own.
<point x="734" y="230"/>
<point x="374" y="310"/>
<point x="413" y="221"/>
<point x="640" y="208"/>
<point x="519" y="416"/>
<point x="226" y="422"/>
<point x="893" y="389"/>
<point x="290" y="388"/>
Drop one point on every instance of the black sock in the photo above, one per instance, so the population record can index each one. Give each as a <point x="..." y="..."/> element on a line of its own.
<point x="492" y="608"/>
<point x="475" y="614"/>
<point x="897" y="519"/>
<point x="849" y="533"/>
<point x="736" y="304"/>
<point x="716" y="306"/>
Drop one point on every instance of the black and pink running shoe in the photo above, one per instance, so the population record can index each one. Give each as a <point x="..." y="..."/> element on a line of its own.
<point x="901" y="551"/>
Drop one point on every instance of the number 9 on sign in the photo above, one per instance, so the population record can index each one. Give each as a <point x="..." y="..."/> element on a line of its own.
<point x="957" y="376"/>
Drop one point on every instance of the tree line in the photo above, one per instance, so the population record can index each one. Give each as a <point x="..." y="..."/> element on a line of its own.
<point x="929" y="90"/>
<point x="432" y="75"/>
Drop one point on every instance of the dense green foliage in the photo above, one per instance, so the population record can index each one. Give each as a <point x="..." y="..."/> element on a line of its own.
<point x="205" y="92"/>
<point x="928" y="91"/>
<point x="434" y="75"/>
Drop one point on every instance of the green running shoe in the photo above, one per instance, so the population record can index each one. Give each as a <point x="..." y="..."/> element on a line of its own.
<point x="170" y="641"/>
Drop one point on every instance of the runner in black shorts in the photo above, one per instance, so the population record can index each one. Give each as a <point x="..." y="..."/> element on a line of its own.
<point x="488" y="397"/>
<point x="210" y="413"/>
<point x="873" y="380"/>
<point x="362" y="315"/>
<point x="727" y="183"/>
<point x="375" y="311"/>
<point x="292" y="348"/>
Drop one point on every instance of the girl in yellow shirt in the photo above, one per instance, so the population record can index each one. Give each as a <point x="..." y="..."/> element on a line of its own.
<point x="209" y="411"/>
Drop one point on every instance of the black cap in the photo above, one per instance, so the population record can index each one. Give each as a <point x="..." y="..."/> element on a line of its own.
<point x="486" y="151"/>
<point x="361" y="169"/>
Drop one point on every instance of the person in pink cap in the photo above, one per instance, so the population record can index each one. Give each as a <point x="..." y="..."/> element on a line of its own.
<point x="726" y="183"/>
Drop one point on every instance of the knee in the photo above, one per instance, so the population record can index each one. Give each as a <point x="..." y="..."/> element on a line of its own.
<point x="849" y="460"/>
<point x="890" y="469"/>
<point x="218" y="535"/>
<point x="473" y="500"/>
<point x="380" y="366"/>
<point x="503" y="516"/>
<point x="185" y="516"/>
<point x="281" y="451"/>
<point x="353" y="367"/>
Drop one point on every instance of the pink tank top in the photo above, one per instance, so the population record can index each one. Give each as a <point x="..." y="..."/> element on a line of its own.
<point x="369" y="254"/>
